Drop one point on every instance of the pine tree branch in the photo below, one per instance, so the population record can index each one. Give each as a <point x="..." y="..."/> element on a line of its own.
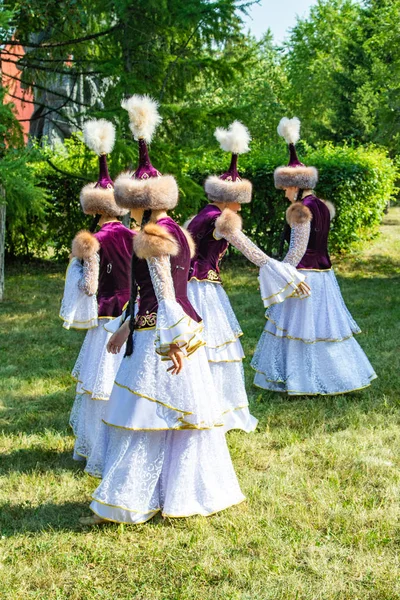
<point x="86" y="38"/>
<point x="20" y="63"/>
<point x="46" y="89"/>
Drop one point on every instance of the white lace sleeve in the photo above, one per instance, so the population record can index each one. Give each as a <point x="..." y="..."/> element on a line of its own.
<point x="161" y="278"/>
<point x="78" y="310"/>
<point x="89" y="281"/>
<point x="244" y="244"/>
<point x="174" y="326"/>
<point x="299" y="237"/>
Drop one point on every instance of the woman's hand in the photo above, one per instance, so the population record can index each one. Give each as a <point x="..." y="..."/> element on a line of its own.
<point x="177" y="356"/>
<point x="118" y="339"/>
<point x="303" y="290"/>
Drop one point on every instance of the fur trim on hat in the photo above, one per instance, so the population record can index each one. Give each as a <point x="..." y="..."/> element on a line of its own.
<point x="297" y="214"/>
<point x="190" y="241"/>
<point x="154" y="241"/>
<point x="162" y="192"/>
<point x="99" y="201"/>
<point x="331" y="207"/>
<point x="84" y="245"/>
<point x="305" y="178"/>
<point x="228" y="222"/>
<point x="155" y="193"/>
<point x="222" y="190"/>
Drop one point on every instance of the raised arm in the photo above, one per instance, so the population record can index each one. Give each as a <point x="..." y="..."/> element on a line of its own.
<point x="229" y="226"/>
<point x="299" y="218"/>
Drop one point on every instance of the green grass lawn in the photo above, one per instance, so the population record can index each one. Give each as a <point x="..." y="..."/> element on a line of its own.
<point x="321" y="474"/>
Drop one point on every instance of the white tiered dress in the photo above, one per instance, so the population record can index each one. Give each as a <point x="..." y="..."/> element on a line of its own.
<point x="308" y="345"/>
<point x="95" y="368"/>
<point x="164" y="448"/>
<point x="222" y="331"/>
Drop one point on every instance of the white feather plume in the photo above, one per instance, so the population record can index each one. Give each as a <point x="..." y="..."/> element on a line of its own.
<point x="235" y="139"/>
<point x="143" y="115"/>
<point x="289" y="129"/>
<point x="99" y="135"/>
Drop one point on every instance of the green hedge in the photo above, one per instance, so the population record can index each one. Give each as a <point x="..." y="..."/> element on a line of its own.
<point x="359" y="181"/>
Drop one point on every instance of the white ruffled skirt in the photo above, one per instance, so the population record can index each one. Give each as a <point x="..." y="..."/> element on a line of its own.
<point x="95" y="371"/>
<point x="308" y="345"/>
<point x="224" y="352"/>
<point x="162" y="446"/>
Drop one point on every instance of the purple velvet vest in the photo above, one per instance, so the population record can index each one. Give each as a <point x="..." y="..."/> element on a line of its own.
<point x="209" y="251"/>
<point x="115" y="268"/>
<point x="147" y="314"/>
<point x="316" y="256"/>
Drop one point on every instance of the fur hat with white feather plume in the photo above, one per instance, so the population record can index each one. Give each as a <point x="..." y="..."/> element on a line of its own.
<point x="295" y="174"/>
<point x="229" y="187"/>
<point x="146" y="187"/>
<point x="98" y="198"/>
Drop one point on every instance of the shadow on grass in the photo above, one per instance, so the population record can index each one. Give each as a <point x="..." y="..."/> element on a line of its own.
<point x="16" y="519"/>
<point x="23" y="518"/>
<point x="39" y="460"/>
<point x="37" y="414"/>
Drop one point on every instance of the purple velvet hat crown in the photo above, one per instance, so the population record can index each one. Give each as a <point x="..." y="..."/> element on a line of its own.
<point x="230" y="187"/>
<point x="146" y="187"/>
<point x="295" y="174"/>
<point x="98" y="198"/>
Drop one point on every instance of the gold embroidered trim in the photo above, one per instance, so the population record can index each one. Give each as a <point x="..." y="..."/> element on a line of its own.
<point x="122" y="522"/>
<point x="146" y="321"/>
<point x="296" y="393"/>
<point x="216" y="362"/>
<point x="226" y="343"/>
<point x="200" y="514"/>
<point x="80" y="322"/>
<point x="316" y="270"/>
<point x="212" y="275"/>
<point x="289" y="337"/>
<point x="153" y="510"/>
<point x="184" y="412"/>
<point x="187" y="426"/>
<point x="204" y="280"/>
<point x="280" y="291"/>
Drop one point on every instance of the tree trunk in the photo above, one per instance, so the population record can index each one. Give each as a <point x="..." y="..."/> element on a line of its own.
<point x="2" y="240"/>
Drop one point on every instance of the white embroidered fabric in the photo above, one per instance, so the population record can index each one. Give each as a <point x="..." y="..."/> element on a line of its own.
<point x="89" y="281"/>
<point x="161" y="278"/>
<point x="146" y="396"/>
<point x="86" y="422"/>
<point x="299" y="236"/>
<point x="308" y="347"/>
<point x="278" y="281"/>
<point x="78" y="310"/>
<point x="244" y="244"/>
<point x="178" y="473"/>
<point x="224" y="352"/>
<point x="95" y="368"/>
<point x="221" y="327"/>
<point x="174" y="326"/>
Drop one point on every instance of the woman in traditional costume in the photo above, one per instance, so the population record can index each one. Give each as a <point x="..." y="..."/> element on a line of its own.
<point x="96" y="289"/>
<point x="308" y="346"/>
<point x="164" y="449"/>
<point x="215" y="227"/>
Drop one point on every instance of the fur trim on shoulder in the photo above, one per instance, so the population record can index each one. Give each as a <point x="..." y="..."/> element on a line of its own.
<point x="227" y="222"/>
<point x="297" y="214"/>
<point x="190" y="241"/>
<point x="154" y="241"/>
<point x="84" y="245"/>
<point x="330" y="207"/>
<point x="222" y="190"/>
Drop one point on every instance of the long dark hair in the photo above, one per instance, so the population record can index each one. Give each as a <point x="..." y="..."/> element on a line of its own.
<point x="94" y="224"/>
<point x="286" y="230"/>
<point x="130" y="311"/>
